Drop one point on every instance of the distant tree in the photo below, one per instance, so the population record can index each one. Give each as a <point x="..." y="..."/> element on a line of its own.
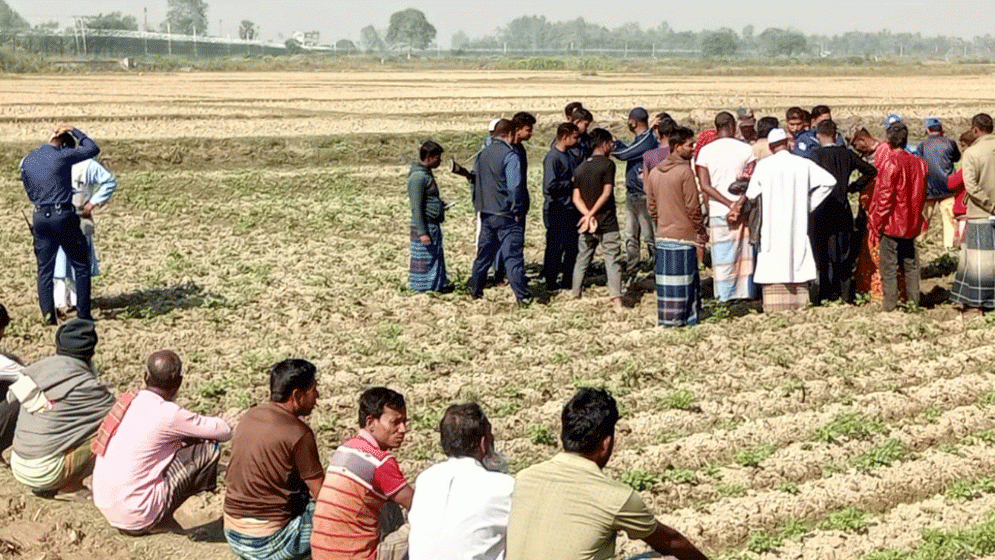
<point x="527" y="32"/>
<point x="777" y="41"/>
<point x="719" y="43"/>
<point x="247" y="30"/>
<point x="293" y="46"/>
<point x="345" y="45"/>
<point x="371" y="40"/>
<point x="9" y="19"/>
<point x="113" y="20"/>
<point x="460" y="40"/>
<point x="410" y="28"/>
<point x="48" y="27"/>
<point x="186" y="17"/>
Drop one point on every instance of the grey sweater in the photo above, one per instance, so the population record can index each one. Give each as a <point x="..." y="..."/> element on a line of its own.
<point x="80" y="403"/>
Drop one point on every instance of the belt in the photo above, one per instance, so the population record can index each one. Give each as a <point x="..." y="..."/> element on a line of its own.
<point x="56" y="207"/>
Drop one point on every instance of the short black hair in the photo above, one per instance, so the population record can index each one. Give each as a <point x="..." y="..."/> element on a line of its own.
<point x="820" y="110"/>
<point x="461" y="429"/>
<point x="898" y="135"/>
<point x="935" y="128"/>
<point x="571" y="108"/>
<point x="806" y="116"/>
<point x="428" y="149"/>
<point x="375" y="399"/>
<point x="725" y="120"/>
<point x="983" y="122"/>
<point x="765" y="125"/>
<point x="566" y="129"/>
<point x="665" y="124"/>
<point x="522" y="120"/>
<point x="4" y="317"/>
<point x="794" y="113"/>
<point x="826" y="128"/>
<point x="679" y="135"/>
<point x="599" y="136"/>
<point x="588" y="418"/>
<point x="293" y="374"/>
<point x="581" y="114"/>
<point x="503" y="127"/>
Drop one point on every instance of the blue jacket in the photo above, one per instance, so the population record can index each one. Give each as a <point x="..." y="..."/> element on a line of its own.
<point x="632" y="155"/>
<point x="47" y="171"/>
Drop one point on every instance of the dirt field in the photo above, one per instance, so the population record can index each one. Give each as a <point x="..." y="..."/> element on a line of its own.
<point x="836" y="432"/>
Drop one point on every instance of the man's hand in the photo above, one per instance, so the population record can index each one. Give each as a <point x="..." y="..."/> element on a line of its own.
<point x="87" y="211"/>
<point x="701" y="238"/>
<point x="62" y="129"/>
<point x="425" y="239"/>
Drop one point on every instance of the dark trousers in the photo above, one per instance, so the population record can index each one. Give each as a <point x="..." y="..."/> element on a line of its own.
<point x="56" y="227"/>
<point x="8" y="417"/>
<point x="831" y="231"/>
<point x="504" y="234"/>
<point x="561" y="245"/>
<point x="894" y="251"/>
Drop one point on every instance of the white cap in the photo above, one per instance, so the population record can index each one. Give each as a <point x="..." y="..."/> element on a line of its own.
<point x="490" y="127"/>
<point x="777" y="135"/>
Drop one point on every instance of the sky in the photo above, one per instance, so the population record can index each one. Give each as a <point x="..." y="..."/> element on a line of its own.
<point x="343" y="20"/>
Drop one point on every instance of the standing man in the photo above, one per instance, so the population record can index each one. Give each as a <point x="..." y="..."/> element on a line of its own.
<point x="582" y="149"/>
<point x="47" y="177"/>
<point x="672" y="200"/>
<point x="93" y="186"/>
<point x="718" y="166"/>
<point x="460" y="508"/>
<point x="940" y="153"/>
<point x="594" y="197"/>
<point x="868" y="277"/>
<point x="523" y="124"/>
<point x="427" y="272"/>
<point x="831" y="225"/>
<point x="791" y="187"/>
<point x="807" y="141"/>
<point x="896" y="214"/>
<point x="274" y="474"/>
<point x="567" y="508"/>
<point x="974" y="285"/>
<point x="652" y="158"/>
<point x="499" y="198"/>
<point x="559" y="213"/>
<point x="638" y="226"/>
<point x="362" y="476"/>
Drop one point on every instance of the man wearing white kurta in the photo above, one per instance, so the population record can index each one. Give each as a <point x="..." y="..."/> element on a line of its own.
<point x="791" y="186"/>
<point x="93" y="185"/>
<point x="460" y="508"/>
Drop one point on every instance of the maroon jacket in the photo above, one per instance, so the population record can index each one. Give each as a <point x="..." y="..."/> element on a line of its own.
<point x="899" y="195"/>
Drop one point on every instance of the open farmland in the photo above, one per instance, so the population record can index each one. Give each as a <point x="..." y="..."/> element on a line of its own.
<point x="261" y="216"/>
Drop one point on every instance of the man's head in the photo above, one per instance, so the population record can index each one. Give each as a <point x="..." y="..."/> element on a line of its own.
<point x="430" y="154"/>
<point x="582" y="118"/>
<point x="981" y="124"/>
<point x="826" y="131"/>
<point x="76" y="338"/>
<point x="777" y="140"/>
<point x="638" y="119"/>
<point x="523" y="123"/>
<point x="465" y="431"/>
<point x="747" y="124"/>
<point x="4" y="320"/>
<point x="63" y="140"/>
<point x="164" y="371"/>
<point x="681" y="142"/>
<point x="492" y="124"/>
<point x="966" y="139"/>
<point x="765" y="125"/>
<point x="933" y="125"/>
<point x="589" y="420"/>
<point x="566" y="135"/>
<point x="725" y="124"/>
<point x="898" y="135"/>
<point x="601" y="141"/>
<point x="504" y="130"/>
<point x="571" y="107"/>
<point x="820" y="113"/>
<point x="382" y="412"/>
<point x="891" y="119"/>
<point x="863" y="142"/>
<point x="665" y="124"/>
<point x="293" y="383"/>
<point x="794" y="120"/>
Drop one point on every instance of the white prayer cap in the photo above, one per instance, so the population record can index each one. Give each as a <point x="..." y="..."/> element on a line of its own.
<point x="490" y="127"/>
<point x="777" y="135"/>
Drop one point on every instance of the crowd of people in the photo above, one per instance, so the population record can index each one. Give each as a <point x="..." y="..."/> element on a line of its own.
<point x="770" y="203"/>
<point x="147" y="455"/>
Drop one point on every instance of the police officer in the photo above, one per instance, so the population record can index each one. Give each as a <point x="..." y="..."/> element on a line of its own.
<point x="47" y="176"/>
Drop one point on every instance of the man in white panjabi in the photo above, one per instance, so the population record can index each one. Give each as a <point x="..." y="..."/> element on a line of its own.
<point x="791" y="186"/>
<point x="93" y="185"/>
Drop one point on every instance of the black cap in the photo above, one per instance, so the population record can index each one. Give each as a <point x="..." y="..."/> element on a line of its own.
<point x="76" y="338"/>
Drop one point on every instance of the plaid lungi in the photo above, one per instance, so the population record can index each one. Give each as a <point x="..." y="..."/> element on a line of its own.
<point x="428" y="262"/>
<point x="732" y="259"/>
<point x="974" y="284"/>
<point x="678" y="284"/>
<point x="292" y="542"/>
<point x="785" y="297"/>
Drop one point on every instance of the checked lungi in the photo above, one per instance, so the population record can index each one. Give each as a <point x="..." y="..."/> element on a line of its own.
<point x="428" y="262"/>
<point x="785" y="297"/>
<point x="678" y="284"/>
<point x="732" y="259"/>
<point x="974" y="284"/>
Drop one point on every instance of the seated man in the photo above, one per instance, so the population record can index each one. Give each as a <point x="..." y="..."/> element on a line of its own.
<point x="567" y="509"/>
<point x="460" y="508"/>
<point x="62" y="405"/>
<point x="10" y="372"/>
<point x="275" y="473"/>
<point x="362" y="476"/>
<point x="152" y="454"/>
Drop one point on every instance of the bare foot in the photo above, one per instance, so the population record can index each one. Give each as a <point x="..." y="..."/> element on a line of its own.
<point x="617" y="302"/>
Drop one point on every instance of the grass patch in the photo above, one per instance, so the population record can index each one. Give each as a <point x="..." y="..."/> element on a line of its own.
<point x="976" y="541"/>
<point x="965" y="490"/>
<point x="540" y="434"/>
<point x="881" y="456"/>
<point x="639" y="480"/>
<point x="850" y="425"/>
<point x="751" y="457"/>
<point x="681" y="399"/>
<point x="849" y="520"/>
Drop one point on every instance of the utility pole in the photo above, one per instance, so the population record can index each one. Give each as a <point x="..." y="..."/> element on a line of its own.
<point x="169" y="37"/>
<point x="145" y="31"/>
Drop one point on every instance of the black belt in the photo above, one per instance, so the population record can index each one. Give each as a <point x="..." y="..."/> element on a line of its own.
<point x="63" y="206"/>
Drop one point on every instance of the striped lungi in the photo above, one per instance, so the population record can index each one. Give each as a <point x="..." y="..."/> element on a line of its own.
<point x="785" y="297"/>
<point x="974" y="284"/>
<point x="678" y="284"/>
<point x="428" y="262"/>
<point x="732" y="259"/>
<point x="289" y="543"/>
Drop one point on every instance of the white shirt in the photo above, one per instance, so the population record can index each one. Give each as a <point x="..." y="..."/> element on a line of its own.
<point x="459" y="512"/>
<point x="792" y="186"/>
<point x="725" y="159"/>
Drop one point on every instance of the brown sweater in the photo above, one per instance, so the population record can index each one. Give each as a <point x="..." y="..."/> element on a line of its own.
<point x="672" y="199"/>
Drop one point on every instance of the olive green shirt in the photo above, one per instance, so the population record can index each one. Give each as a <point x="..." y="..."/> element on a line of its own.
<point x="978" y="164"/>
<point x="567" y="509"/>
